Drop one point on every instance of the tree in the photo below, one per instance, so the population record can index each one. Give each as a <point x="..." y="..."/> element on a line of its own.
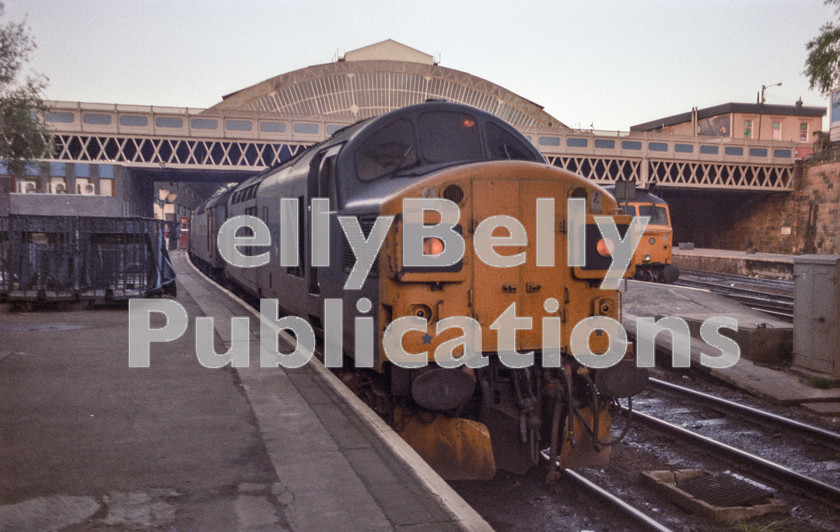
<point x="23" y="134"/>
<point x="823" y="64"/>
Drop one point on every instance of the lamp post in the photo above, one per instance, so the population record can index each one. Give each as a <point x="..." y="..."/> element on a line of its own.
<point x="761" y="105"/>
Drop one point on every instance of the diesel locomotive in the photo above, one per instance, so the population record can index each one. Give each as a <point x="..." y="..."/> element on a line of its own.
<point x="508" y="212"/>
<point x="653" y="254"/>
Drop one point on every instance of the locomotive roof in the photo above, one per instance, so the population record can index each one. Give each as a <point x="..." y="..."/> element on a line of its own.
<point x="359" y="138"/>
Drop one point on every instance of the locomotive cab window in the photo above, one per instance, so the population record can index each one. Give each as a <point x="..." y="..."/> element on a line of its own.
<point x="387" y="151"/>
<point x="502" y="145"/>
<point x="658" y="214"/>
<point x="450" y="137"/>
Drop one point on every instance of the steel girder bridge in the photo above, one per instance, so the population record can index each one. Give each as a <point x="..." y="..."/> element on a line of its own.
<point x="195" y="139"/>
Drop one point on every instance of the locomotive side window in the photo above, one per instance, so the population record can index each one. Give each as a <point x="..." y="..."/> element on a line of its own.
<point x="297" y="271"/>
<point x="450" y="137"/>
<point x="502" y="145"/>
<point x="387" y="151"/>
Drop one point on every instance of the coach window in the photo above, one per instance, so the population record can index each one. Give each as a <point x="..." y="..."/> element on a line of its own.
<point x="449" y="137"/>
<point x="387" y="151"/>
<point x="502" y="145"/>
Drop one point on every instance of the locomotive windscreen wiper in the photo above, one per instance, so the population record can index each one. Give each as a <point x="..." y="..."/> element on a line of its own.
<point x="399" y="166"/>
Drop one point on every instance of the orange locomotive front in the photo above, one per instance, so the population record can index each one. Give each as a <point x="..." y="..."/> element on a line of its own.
<point x="506" y="291"/>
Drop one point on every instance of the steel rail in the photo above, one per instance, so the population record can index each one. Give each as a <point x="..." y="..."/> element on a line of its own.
<point x="815" y="488"/>
<point x="635" y="513"/>
<point x="812" y="430"/>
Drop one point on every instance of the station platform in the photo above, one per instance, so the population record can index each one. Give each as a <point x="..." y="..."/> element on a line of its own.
<point x="769" y="265"/>
<point x="88" y="443"/>
<point x="765" y="343"/>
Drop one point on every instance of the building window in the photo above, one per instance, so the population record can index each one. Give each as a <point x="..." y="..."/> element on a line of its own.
<point x="777" y="130"/>
<point x="747" y="129"/>
<point x="81" y="170"/>
<point x="58" y="169"/>
<point x="106" y="171"/>
<point x="803" y="132"/>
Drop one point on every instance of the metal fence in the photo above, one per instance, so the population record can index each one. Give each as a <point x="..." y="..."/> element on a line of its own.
<point x="61" y="258"/>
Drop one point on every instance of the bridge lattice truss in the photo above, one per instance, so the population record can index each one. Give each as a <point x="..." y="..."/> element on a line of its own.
<point x="677" y="173"/>
<point x="257" y="155"/>
<point x="180" y="138"/>
<point x="173" y="152"/>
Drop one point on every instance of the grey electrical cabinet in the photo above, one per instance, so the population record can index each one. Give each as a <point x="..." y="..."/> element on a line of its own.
<point x="816" y="314"/>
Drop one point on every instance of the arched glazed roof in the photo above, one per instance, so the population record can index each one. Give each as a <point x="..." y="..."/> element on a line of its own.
<point x="377" y="79"/>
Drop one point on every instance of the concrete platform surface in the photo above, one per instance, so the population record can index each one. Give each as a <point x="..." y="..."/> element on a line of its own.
<point x="87" y="443"/>
<point x="770" y="265"/>
<point x="759" y="331"/>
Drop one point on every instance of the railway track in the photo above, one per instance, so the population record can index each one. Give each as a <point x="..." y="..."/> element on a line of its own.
<point x="780" y="450"/>
<point x="767" y="295"/>
<point x="611" y="499"/>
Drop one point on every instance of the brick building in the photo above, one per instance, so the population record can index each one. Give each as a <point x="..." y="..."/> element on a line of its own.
<point x="796" y="123"/>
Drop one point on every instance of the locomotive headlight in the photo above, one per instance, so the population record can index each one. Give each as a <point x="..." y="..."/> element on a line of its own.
<point x="605" y="247"/>
<point x="421" y="311"/>
<point x="432" y="246"/>
<point x="605" y="307"/>
<point x="652" y="241"/>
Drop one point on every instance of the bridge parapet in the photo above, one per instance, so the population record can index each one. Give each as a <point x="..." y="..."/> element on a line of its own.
<point x="145" y="120"/>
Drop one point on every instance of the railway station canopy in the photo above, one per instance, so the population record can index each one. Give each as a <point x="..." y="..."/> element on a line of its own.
<point x="376" y="79"/>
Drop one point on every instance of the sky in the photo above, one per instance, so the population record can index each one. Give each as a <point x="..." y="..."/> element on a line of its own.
<point x="590" y="63"/>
